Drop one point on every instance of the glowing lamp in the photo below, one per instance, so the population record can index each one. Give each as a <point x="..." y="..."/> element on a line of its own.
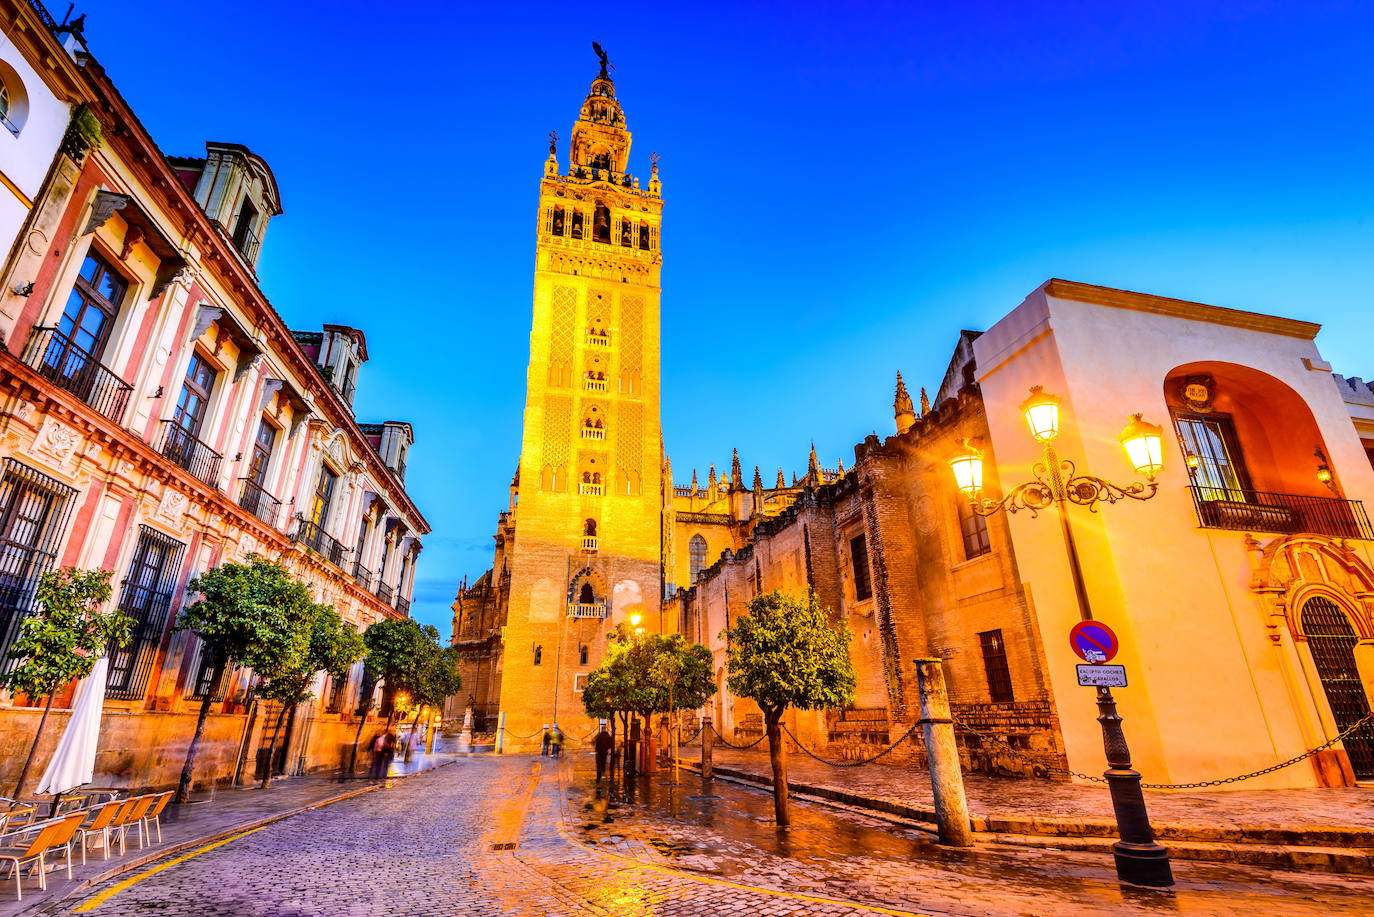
<point x="635" y="619"/>
<point x="1143" y="443"/>
<point x="1324" y="473"/>
<point x="968" y="471"/>
<point x="1042" y="414"/>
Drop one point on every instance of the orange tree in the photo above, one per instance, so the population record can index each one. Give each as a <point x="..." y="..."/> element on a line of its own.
<point x="785" y="653"/>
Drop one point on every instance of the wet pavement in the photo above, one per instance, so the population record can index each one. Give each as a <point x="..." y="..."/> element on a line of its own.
<point x="525" y="835"/>
<point x="1010" y="797"/>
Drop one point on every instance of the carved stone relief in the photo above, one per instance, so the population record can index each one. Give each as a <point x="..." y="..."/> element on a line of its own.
<point x="56" y="440"/>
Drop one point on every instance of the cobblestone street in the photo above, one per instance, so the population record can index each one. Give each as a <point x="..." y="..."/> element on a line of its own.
<point x="531" y="836"/>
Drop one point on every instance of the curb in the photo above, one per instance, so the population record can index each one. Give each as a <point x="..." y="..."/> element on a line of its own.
<point x="1327" y="849"/>
<point x="47" y="908"/>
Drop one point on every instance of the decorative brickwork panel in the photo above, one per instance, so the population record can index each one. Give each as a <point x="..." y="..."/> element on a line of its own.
<point x="557" y="429"/>
<point x="562" y="330"/>
<point x="629" y="440"/>
<point x="632" y="334"/>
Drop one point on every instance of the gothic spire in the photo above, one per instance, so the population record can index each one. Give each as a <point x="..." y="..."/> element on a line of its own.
<point x="902" y="412"/>
<point x="758" y="480"/>
<point x="841" y="468"/>
<point x="736" y="476"/>
<point x="782" y="481"/>
<point x="695" y="486"/>
<point x="925" y="402"/>
<point x="813" y="467"/>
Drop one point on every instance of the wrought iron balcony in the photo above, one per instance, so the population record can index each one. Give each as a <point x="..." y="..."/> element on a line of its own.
<point x="593" y="432"/>
<point x="589" y="544"/>
<point x="1259" y="511"/>
<point x="259" y="502"/>
<point x="598" y="340"/>
<point x="316" y="539"/>
<point x="247" y="242"/>
<point x="179" y="445"/>
<point x="587" y="609"/>
<point x="594" y="385"/>
<point x="61" y="362"/>
<point x="591" y="490"/>
<point x="362" y="576"/>
<point x="385" y="592"/>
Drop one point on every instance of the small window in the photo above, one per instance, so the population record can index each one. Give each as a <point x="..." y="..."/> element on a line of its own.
<point x="644" y="237"/>
<point x="995" y="666"/>
<point x="558" y="221"/>
<point x="974" y="527"/>
<point x="586" y="596"/>
<point x="538" y="655"/>
<point x="1214" y="457"/>
<point x="589" y="528"/>
<point x="696" y="551"/>
<point x="13" y="100"/>
<point x="582" y="655"/>
<point x="580" y="682"/>
<point x="324" y="496"/>
<point x="858" y="556"/>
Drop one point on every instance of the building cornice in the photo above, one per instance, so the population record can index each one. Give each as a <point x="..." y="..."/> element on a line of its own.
<point x="26" y="29"/>
<point x="1179" y="308"/>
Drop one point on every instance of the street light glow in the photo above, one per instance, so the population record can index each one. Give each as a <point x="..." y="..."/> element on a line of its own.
<point x="1144" y="446"/>
<point x="968" y="471"/>
<point x="1042" y="414"/>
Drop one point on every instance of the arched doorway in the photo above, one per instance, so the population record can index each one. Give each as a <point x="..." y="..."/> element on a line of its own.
<point x="1331" y="640"/>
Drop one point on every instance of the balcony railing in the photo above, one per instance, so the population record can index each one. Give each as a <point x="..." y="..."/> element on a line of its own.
<point x="589" y="544"/>
<point x="1258" y="511"/>
<point x="247" y="242"/>
<point x="385" y="592"/>
<point x="259" y="502"/>
<point x="594" y="385"/>
<point x="316" y="539"/>
<point x="60" y="361"/>
<point x="593" y="432"/>
<point x="586" y="609"/>
<point x="591" y="490"/>
<point x="598" y="340"/>
<point x="403" y="604"/>
<point x="179" y="445"/>
<point x="362" y="576"/>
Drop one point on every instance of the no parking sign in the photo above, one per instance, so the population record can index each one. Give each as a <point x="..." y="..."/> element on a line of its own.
<point x="1093" y="641"/>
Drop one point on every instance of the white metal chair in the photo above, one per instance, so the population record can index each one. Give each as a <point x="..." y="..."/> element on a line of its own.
<point x="34" y="842"/>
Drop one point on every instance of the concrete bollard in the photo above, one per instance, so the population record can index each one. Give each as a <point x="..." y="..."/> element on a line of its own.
<point x="708" y="745"/>
<point x="501" y="732"/>
<point x="942" y="755"/>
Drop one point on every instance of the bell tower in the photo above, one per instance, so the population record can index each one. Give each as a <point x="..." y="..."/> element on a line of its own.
<point x="586" y="555"/>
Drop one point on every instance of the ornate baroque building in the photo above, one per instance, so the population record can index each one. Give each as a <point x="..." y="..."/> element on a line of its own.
<point x="158" y="417"/>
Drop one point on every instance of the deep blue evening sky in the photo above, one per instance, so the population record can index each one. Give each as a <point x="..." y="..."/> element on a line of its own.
<point x="846" y="187"/>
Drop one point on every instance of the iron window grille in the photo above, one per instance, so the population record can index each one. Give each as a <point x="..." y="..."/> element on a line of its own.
<point x="205" y="676"/>
<point x="34" y="511"/>
<point x="995" y="666"/>
<point x="146" y="596"/>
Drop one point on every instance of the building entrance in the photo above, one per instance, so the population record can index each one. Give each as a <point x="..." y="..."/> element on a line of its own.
<point x="1332" y="641"/>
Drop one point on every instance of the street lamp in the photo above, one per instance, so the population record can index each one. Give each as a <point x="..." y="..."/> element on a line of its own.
<point x="1139" y="860"/>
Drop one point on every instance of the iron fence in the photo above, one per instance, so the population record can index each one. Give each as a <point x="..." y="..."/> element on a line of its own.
<point x="259" y="502"/>
<point x="318" y="540"/>
<point x="1261" y="511"/>
<point x="181" y="446"/>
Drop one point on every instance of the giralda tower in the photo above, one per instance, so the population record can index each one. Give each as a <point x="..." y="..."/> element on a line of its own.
<point x="586" y="554"/>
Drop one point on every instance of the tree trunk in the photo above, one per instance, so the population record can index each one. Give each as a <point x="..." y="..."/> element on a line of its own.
<point x="649" y="755"/>
<point x="410" y="740"/>
<point x="272" y="747"/>
<point x="246" y="741"/>
<point x="33" y="749"/>
<point x="777" y="756"/>
<point x="357" y="736"/>
<point x="184" y="784"/>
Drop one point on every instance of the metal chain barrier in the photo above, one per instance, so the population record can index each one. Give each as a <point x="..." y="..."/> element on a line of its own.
<point x="880" y="754"/>
<point x="728" y="744"/>
<point x="690" y="739"/>
<point x="1055" y="769"/>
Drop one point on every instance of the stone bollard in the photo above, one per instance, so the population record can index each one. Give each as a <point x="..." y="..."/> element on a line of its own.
<point x="501" y="732"/>
<point x="708" y="745"/>
<point x="942" y="755"/>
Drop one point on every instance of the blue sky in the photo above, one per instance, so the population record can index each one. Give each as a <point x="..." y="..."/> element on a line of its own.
<point x="847" y="185"/>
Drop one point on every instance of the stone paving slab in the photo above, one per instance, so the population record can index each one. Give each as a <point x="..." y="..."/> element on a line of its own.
<point x="208" y="817"/>
<point x="1341" y="816"/>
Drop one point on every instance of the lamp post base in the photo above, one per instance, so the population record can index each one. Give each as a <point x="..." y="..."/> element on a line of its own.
<point x="1143" y="864"/>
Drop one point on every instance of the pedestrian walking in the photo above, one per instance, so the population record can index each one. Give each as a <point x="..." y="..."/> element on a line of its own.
<point x="380" y="755"/>
<point x="544" y="748"/>
<point x="632" y="747"/>
<point x="603" y="745"/>
<point x="556" y="741"/>
<point x="388" y="752"/>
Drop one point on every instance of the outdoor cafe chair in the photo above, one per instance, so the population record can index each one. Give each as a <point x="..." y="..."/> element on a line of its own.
<point x="101" y="825"/>
<point x="132" y="817"/>
<point x="153" y="817"/>
<point x="45" y="836"/>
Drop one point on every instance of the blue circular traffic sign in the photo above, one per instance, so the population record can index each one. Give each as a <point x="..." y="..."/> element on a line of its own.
<point x="1093" y="641"/>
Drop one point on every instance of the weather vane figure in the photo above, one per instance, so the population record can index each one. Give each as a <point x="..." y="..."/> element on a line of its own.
<point x="601" y="55"/>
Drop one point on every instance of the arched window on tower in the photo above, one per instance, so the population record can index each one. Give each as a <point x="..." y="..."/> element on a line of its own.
<point x="558" y="221"/>
<point x="586" y="596"/>
<point x="644" y="237"/>
<point x="626" y="233"/>
<point x="696" y="552"/>
<point x="601" y="223"/>
<point x="589" y="527"/>
<point x="576" y="224"/>
<point x="582" y="654"/>
<point x="538" y="655"/>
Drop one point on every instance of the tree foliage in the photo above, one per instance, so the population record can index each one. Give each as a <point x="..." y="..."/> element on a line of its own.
<point x="252" y="614"/>
<point x="647" y="674"/>
<point x="786" y="652"/>
<point x="66" y="635"/>
<point x="405" y="657"/>
<point x="332" y="646"/>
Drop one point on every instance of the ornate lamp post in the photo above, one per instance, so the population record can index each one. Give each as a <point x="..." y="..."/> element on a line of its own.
<point x="1139" y="860"/>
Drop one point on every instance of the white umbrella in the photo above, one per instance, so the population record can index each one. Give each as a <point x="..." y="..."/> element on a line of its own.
<point x="73" y="764"/>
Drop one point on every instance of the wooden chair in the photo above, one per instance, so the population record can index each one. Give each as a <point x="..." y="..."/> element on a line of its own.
<point x="101" y="825"/>
<point x="132" y="817"/>
<point x="43" y="837"/>
<point x="154" y="816"/>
